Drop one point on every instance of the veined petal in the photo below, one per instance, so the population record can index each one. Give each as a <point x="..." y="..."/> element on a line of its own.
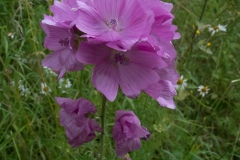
<point x="62" y="60"/>
<point x="134" y="144"/>
<point x="146" y="58"/>
<point x="163" y="92"/>
<point x="109" y="21"/>
<point x="105" y="79"/>
<point x="87" y="107"/>
<point x="91" y="53"/>
<point x="149" y="4"/>
<point x="169" y="73"/>
<point x="89" y="20"/>
<point x="134" y="78"/>
<point x="63" y="12"/>
<point x="66" y="103"/>
<point x="57" y="37"/>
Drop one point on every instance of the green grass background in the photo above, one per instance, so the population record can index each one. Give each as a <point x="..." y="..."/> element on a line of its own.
<point x="201" y="128"/>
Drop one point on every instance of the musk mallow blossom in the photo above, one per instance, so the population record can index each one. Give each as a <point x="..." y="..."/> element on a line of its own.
<point x="127" y="132"/>
<point x="165" y="89"/>
<point x="74" y="117"/>
<point x="133" y="70"/>
<point x="118" y="23"/>
<point x="60" y="39"/>
<point x="159" y="31"/>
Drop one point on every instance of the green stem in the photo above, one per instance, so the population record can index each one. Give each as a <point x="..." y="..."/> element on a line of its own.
<point x="104" y="100"/>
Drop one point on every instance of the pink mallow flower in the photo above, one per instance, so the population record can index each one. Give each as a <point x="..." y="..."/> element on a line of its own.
<point x="119" y="23"/>
<point x="60" y="39"/>
<point x="74" y="117"/>
<point x="132" y="70"/>
<point x="159" y="30"/>
<point x="164" y="90"/>
<point x="127" y="132"/>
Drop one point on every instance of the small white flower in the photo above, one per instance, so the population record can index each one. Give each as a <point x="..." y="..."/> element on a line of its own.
<point x="217" y="28"/>
<point x="49" y="71"/>
<point x="24" y="91"/>
<point x="64" y="83"/>
<point x="23" y="60"/>
<point x="12" y="83"/>
<point x="181" y="83"/>
<point x="203" y="90"/>
<point x="11" y="35"/>
<point x="45" y="89"/>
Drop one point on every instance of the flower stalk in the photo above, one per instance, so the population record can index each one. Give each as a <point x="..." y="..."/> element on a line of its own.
<point x="104" y="101"/>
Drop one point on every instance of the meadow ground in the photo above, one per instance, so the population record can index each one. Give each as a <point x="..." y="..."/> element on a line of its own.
<point x="200" y="128"/>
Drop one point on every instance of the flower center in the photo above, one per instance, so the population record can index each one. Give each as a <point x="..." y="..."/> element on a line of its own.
<point x="180" y="81"/>
<point x="45" y="89"/>
<point x="112" y="24"/>
<point x="119" y="58"/>
<point x="216" y="28"/>
<point x="64" y="42"/>
<point x="204" y="89"/>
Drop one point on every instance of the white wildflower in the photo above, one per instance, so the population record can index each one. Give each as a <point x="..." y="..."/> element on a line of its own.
<point x="45" y="89"/>
<point x="217" y="28"/>
<point x="49" y="71"/>
<point x="203" y="90"/>
<point x="24" y="91"/>
<point x="181" y="83"/>
<point x="64" y="84"/>
<point x="11" y="35"/>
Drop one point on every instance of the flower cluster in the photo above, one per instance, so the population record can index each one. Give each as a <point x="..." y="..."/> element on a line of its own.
<point x="129" y="42"/>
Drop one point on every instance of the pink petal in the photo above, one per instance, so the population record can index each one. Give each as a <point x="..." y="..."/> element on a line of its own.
<point x="90" y="53"/>
<point x="134" y="144"/>
<point x="89" y="20"/>
<point x="146" y="58"/>
<point x="134" y="78"/>
<point x="63" y="12"/>
<point x="54" y="34"/>
<point x="105" y="79"/>
<point x="66" y="103"/>
<point x="86" y="107"/>
<point x="163" y="92"/>
<point x="61" y="61"/>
